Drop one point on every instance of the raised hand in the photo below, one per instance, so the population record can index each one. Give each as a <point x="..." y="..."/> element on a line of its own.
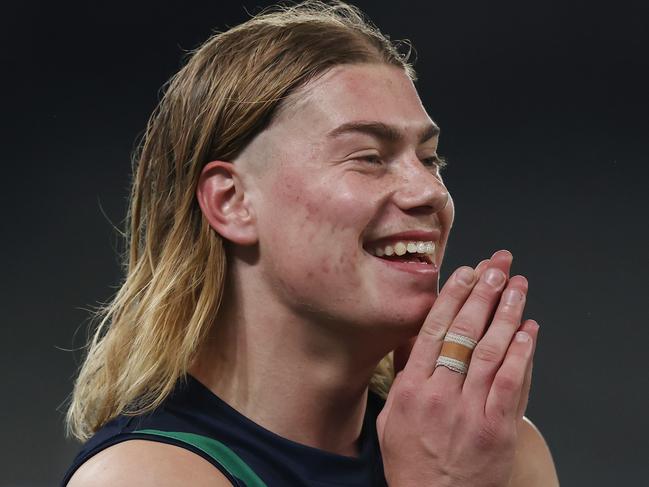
<point x="443" y="428"/>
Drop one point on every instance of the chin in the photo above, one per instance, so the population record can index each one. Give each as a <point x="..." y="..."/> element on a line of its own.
<point x="408" y="316"/>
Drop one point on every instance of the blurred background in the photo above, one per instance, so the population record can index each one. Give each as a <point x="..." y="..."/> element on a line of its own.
<point x="545" y="121"/>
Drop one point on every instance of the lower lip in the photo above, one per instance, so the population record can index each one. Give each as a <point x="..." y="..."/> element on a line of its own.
<point x="419" y="268"/>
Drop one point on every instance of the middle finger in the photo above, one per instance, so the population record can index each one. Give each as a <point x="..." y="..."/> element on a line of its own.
<point x="494" y="344"/>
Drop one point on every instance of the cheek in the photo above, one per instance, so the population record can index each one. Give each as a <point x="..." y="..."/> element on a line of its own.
<point x="307" y="223"/>
<point x="321" y="212"/>
<point x="311" y="234"/>
<point x="447" y="215"/>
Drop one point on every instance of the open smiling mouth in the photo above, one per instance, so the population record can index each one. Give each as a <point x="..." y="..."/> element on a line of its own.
<point x="411" y="252"/>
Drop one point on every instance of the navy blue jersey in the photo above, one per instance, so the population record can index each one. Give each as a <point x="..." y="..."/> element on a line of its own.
<point x="194" y="418"/>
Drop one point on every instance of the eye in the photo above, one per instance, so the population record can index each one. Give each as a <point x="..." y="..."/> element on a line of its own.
<point x="371" y="158"/>
<point x="434" y="161"/>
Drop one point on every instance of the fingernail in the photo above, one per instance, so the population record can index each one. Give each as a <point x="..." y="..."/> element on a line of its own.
<point x="535" y="327"/>
<point x="507" y="252"/>
<point x="466" y="276"/>
<point x="494" y="277"/>
<point x="513" y="296"/>
<point x="522" y="337"/>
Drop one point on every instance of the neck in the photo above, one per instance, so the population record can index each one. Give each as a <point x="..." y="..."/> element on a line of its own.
<point x="305" y="382"/>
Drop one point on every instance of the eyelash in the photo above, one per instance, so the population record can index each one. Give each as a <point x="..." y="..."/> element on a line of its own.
<point x="437" y="161"/>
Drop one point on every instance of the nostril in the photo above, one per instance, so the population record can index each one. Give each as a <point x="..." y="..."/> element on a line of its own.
<point x="421" y="210"/>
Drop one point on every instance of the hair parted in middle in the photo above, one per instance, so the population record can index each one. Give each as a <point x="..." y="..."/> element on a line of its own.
<point x="175" y="264"/>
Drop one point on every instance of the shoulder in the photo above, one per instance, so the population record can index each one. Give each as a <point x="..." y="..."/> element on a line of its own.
<point x="533" y="465"/>
<point x="147" y="464"/>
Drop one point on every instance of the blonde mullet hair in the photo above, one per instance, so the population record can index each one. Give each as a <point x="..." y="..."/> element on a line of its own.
<point x="175" y="264"/>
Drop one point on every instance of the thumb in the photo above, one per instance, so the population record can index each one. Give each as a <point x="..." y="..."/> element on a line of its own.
<point x="402" y="354"/>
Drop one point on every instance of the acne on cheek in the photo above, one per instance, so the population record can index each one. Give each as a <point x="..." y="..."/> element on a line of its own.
<point x="332" y="200"/>
<point x="321" y="216"/>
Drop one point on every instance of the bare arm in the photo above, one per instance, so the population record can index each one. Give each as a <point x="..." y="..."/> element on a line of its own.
<point x="533" y="464"/>
<point x="147" y="464"/>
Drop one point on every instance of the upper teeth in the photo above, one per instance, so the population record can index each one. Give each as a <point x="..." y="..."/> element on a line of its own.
<point x="401" y="248"/>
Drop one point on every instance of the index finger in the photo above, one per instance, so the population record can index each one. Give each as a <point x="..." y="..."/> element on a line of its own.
<point x="452" y="297"/>
<point x="402" y="352"/>
<point x="421" y="363"/>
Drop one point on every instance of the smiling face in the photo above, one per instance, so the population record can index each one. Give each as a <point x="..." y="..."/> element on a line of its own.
<point x="346" y="170"/>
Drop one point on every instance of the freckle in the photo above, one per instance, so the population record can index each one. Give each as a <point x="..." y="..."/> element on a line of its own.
<point x="309" y="274"/>
<point x="325" y="269"/>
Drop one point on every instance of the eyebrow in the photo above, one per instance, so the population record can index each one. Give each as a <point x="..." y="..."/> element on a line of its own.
<point x="382" y="131"/>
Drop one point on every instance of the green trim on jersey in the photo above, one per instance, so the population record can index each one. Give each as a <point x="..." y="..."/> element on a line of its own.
<point x="216" y="450"/>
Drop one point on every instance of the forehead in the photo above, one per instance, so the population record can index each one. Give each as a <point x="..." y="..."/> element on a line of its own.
<point x="349" y="93"/>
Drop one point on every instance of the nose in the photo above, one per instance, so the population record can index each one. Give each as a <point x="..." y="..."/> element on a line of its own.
<point x="420" y="188"/>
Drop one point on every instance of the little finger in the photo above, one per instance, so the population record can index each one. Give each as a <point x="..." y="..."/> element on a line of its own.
<point x="503" y="399"/>
<point x="532" y="328"/>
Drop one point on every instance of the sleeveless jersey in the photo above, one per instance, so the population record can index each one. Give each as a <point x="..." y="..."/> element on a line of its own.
<point x="194" y="418"/>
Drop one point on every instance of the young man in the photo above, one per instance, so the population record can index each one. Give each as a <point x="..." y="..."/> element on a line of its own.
<point x="288" y="221"/>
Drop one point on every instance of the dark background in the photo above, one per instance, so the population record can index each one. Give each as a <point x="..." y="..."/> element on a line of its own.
<point x="544" y="116"/>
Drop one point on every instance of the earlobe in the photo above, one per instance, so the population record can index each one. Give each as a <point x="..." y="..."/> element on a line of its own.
<point x="221" y="196"/>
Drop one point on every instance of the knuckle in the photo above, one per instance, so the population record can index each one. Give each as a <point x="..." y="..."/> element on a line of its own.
<point x="507" y="382"/>
<point x="435" y="401"/>
<point x="406" y="392"/>
<point x="509" y="313"/>
<point x="457" y="292"/>
<point x="495" y="435"/>
<point x="435" y="327"/>
<point x="487" y="352"/>
<point x="484" y="295"/>
<point x="488" y="437"/>
<point x="462" y="327"/>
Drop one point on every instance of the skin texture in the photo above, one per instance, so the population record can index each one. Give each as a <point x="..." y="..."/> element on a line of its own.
<point x="308" y="313"/>
<point x="330" y="311"/>
<point x="147" y="464"/>
<point x="477" y="417"/>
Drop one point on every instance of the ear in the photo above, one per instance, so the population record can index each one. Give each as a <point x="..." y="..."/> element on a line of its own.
<point x="220" y="195"/>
